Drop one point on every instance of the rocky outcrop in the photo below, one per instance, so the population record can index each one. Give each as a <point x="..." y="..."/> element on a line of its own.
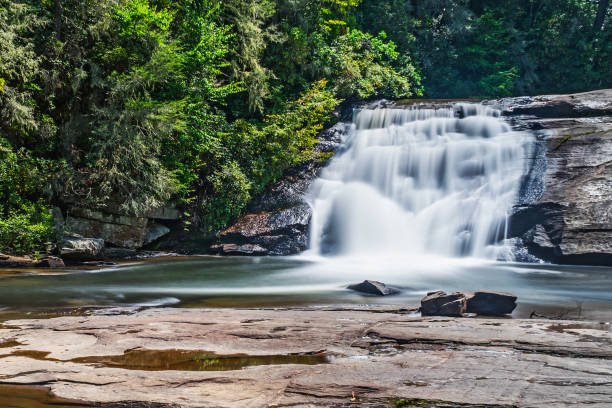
<point x="565" y="213"/>
<point x="280" y="232"/>
<point x="119" y="230"/>
<point x="376" y="356"/>
<point x="483" y="303"/>
<point x="580" y="105"/>
<point x="277" y="222"/>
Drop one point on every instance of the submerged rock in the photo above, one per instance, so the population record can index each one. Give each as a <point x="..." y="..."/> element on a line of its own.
<point x="374" y="288"/>
<point x="490" y="303"/>
<point x="441" y="304"/>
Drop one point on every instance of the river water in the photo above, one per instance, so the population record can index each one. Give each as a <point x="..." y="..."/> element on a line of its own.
<point x="552" y="290"/>
<point x="417" y="198"/>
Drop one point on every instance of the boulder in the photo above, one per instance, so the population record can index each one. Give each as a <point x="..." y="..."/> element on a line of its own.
<point x="374" y="288"/>
<point x="441" y="304"/>
<point x="81" y="249"/>
<point x="490" y="303"/>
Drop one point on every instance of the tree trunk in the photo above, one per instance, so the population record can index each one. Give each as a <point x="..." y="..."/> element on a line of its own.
<point x="58" y="19"/>
<point x="602" y="10"/>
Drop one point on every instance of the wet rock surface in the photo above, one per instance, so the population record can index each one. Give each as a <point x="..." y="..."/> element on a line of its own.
<point x="565" y="213"/>
<point x="381" y="354"/>
<point x="374" y="288"/>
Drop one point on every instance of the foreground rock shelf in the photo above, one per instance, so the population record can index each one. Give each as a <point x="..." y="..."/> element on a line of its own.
<point x="379" y="355"/>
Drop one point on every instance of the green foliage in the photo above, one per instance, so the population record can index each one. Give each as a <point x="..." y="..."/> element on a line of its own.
<point x="248" y="19"/>
<point x="228" y="196"/>
<point x="25" y="222"/>
<point x="262" y="152"/>
<point x="361" y="65"/>
<point x="496" y="48"/>
<point x="26" y="231"/>
<point x="286" y="138"/>
<point x="19" y="66"/>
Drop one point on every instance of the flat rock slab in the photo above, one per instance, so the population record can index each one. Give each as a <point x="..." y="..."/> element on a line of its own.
<point x="381" y="354"/>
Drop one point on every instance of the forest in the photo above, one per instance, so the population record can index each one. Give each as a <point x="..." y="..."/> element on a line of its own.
<point x="131" y="105"/>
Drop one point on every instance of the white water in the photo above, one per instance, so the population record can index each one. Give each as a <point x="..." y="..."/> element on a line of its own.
<point x="420" y="183"/>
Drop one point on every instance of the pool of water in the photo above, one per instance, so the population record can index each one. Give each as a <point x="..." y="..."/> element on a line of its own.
<point x="547" y="290"/>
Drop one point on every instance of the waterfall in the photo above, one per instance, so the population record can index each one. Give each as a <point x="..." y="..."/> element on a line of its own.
<point x="420" y="181"/>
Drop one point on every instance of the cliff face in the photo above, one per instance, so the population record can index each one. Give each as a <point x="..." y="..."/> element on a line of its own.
<point x="564" y="214"/>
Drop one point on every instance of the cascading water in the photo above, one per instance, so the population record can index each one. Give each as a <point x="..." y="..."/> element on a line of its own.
<point x="420" y="182"/>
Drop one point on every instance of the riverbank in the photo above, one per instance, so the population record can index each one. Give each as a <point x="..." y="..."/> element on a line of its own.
<point x="358" y="356"/>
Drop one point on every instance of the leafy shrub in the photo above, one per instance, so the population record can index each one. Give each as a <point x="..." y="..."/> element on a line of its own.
<point x="361" y="65"/>
<point x="230" y="193"/>
<point x="26" y="231"/>
<point x="25" y="222"/>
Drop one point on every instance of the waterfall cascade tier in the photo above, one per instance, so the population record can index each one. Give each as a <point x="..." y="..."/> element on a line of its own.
<point x="420" y="181"/>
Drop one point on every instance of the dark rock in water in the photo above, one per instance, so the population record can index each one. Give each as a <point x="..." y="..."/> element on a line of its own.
<point x="81" y="249"/>
<point x="374" y="288"/>
<point x="489" y="303"/>
<point x="440" y="304"/>
<point x="244" y="250"/>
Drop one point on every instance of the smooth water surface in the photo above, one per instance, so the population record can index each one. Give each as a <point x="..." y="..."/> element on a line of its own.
<point x="291" y="281"/>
